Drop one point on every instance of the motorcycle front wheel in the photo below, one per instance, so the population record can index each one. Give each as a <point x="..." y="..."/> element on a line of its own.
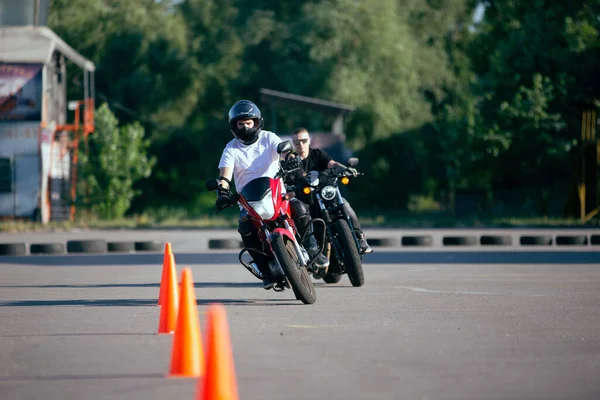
<point x="351" y="257"/>
<point x="296" y="274"/>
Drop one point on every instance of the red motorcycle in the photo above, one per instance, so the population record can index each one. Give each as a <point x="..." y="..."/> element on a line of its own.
<point x="269" y="210"/>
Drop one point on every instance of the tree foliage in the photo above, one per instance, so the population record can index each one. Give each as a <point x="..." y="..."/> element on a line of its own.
<point x="111" y="161"/>
<point x="443" y="102"/>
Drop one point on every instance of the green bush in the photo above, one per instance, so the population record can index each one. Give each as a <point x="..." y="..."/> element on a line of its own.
<point x="111" y="162"/>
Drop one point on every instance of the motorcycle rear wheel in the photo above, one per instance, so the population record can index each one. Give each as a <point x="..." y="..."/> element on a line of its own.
<point x="297" y="276"/>
<point x="352" y="262"/>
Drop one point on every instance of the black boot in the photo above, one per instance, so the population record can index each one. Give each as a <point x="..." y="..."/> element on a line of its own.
<point x="320" y="261"/>
<point x="364" y="246"/>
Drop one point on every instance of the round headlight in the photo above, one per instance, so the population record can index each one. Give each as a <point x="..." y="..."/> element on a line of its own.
<point x="328" y="192"/>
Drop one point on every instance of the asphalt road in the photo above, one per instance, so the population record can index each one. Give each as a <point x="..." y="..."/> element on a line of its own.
<point x="426" y="325"/>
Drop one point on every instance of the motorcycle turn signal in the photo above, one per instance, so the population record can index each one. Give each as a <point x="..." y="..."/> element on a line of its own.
<point x="345" y="180"/>
<point x="306" y="190"/>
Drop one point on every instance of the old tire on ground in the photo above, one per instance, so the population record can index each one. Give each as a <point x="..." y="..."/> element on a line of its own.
<point x="535" y="240"/>
<point x="571" y="240"/>
<point x="460" y="241"/>
<point x="87" y="246"/>
<point x="490" y="240"/>
<point x="148" y="246"/>
<point x="383" y="242"/>
<point x="297" y="275"/>
<point x="417" y="241"/>
<point x="47" y="248"/>
<point x="225" y="244"/>
<point x="13" y="249"/>
<point x="122" y="247"/>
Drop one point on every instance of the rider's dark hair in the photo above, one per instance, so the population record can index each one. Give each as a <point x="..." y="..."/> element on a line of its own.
<point x="299" y="130"/>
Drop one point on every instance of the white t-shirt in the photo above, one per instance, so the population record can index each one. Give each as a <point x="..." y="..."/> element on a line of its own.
<point x="253" y="161"/>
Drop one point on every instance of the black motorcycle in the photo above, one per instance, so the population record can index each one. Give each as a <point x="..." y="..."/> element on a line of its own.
<point x="341" y="244"/>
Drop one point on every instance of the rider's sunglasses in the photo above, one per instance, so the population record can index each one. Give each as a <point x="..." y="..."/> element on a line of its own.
<point x="303" y="141"/>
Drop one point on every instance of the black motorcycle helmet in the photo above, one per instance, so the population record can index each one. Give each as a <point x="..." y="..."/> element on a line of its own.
<point x="245" y="109"/>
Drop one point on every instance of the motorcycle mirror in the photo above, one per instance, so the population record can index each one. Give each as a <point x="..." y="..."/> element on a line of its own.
<point x="212" y="185"/>
<point x="284" y="147"/>
<point x="353" y="162"/>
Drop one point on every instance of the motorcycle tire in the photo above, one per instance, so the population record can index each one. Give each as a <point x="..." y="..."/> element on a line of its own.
<point x="297" y="276"/>
<point x="352" y="262"/>
<point x="332" y="278"/>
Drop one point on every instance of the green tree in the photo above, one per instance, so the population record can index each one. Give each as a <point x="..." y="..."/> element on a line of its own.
<point x="140" y="48"/>
<point x="111" y="163"/>
<point x="536" y="62"/>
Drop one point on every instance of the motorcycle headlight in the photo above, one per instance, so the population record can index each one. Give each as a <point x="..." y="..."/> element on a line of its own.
<point x="264" y="207"/>
<point x="328" y="193"/>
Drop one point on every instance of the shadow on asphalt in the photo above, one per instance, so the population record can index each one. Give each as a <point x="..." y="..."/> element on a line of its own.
<point x="144" y="302"/>
<point x="78" y="377"/>
<point x="404" y="257"/>
<point x="83" y="334"/>
<point x="137" y="285"/>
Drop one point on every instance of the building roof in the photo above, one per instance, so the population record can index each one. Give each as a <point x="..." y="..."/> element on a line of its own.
<point x="295" y="100"/>
<point x="35" y="44"/>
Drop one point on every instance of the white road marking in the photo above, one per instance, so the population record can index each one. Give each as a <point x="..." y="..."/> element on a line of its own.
<point x="418" y="289"/>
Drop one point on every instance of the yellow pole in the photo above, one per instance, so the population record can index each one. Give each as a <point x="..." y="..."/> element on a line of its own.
<point x="593" y="123"/>
<point x="583" y="124"/>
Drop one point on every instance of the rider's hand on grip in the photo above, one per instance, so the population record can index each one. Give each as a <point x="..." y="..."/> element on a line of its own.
<point x="352" y="171"/>
<point x="222" y="202"/>
<point x="292" y="163"/>
<point x="223" y="199"/>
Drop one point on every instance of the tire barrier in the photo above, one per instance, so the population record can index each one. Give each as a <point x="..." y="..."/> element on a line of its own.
<point x="121" y="247"/>
<point x="13" y="249"/>
<point x="47" y="248"/>
<point x="149" y="246"/>
<point x="87" y="246"/>
<point x="571" y="240"/>
<point x="536" y="241"/>
<point x="489" y="240"/>
<point x="559" y="239"/>
<point x="417" y="241"/>
<point x="383" y="242"/>
<point x="225" y="244"/>
<point x="460" y="241"/>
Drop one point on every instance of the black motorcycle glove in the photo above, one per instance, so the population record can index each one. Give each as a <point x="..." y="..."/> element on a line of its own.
<point x="223" y="196"/>
<point x="339" y="168"/>
<point x="292" y="163"/>
<point x="352" y="171"/>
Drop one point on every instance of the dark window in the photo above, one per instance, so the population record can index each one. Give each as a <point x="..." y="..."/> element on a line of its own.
<point x="6" y="175"/>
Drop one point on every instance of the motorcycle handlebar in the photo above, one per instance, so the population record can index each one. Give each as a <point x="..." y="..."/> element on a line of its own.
<point x="233" y="199"/>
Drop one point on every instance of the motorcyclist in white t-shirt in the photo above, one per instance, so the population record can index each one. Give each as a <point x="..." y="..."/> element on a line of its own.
<point x="253" y="154"/>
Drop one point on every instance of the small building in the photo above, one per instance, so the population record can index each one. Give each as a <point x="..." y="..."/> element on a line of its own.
<point x="38" y="147"/>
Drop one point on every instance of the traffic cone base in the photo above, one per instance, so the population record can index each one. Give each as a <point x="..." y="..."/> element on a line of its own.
<point x="219" y="381"/>
<point x="170" y="304"/>
<point x="187" y="355"/>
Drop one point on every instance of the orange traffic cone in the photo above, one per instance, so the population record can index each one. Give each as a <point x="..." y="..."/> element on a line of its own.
<point x="168" y="263"/>
<point x="187" y="356"/>
<point x="170" y="304"/>
<point x="219" y="381"/>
